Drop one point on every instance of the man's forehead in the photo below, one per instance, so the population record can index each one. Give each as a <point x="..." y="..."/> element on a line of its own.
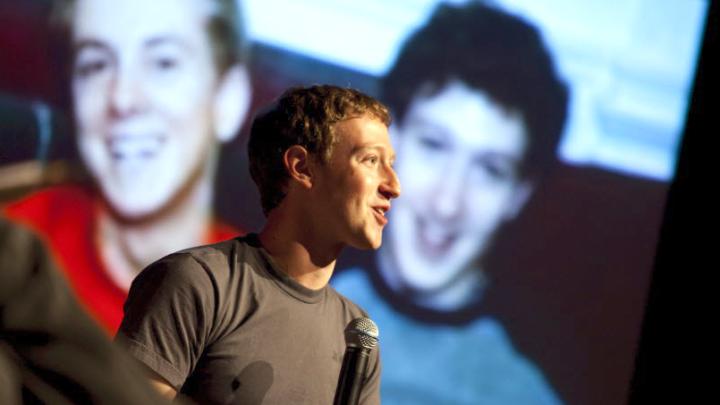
<point x="380" y="148"/>
<point x="363" y="133"/>
<point x="360" y="120"/>
<point x="362" y="127"/>
<point x="160" y="41"/>
<point x="136" y="20"/>
<point x="467" y="117"/>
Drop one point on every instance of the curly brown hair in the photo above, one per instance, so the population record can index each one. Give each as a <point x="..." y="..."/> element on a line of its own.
<point x="304" y="116"/>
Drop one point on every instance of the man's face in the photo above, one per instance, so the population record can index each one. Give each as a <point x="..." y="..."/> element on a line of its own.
<point x="459" y="155"/>
<point x="144" y="83"/>
<point x="356" y="185"/>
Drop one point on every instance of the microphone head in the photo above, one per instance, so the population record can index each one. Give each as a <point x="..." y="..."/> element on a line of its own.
<point x="362" y="332"/>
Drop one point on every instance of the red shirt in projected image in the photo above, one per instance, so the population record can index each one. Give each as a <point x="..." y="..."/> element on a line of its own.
<point x="64" y="217"/>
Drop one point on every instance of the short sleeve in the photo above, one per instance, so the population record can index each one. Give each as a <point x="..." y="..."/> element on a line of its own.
<point x="169" y="316"/>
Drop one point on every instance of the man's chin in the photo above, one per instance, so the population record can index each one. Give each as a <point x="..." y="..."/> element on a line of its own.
<point x="368" y="243"/>
<point x="138" y="209"/>
<point x="376" y="242"/>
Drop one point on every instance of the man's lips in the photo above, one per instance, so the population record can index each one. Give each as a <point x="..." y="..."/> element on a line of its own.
<point x="379" y="212"/>
<point x="123" y="147"/>
<point x="435" y="241"/>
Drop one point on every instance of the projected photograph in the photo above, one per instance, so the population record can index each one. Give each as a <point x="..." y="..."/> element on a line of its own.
<point x="536" y="142"/>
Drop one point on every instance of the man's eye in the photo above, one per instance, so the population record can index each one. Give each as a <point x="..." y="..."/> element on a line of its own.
<point x="432" y="143"/>
<point x="372" y="160"/>
<point x="89" y="68"/>
<point x="165" y="63"/>
<point x="498" y="171"/>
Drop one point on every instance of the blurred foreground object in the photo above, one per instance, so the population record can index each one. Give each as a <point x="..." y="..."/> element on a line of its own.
<point x="50" y="350"/>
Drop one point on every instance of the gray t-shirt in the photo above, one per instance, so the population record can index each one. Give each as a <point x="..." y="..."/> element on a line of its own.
<point x="223" y="325"/>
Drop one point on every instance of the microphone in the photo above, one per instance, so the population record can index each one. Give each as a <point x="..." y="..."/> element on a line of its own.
<point x="361" y="336"/>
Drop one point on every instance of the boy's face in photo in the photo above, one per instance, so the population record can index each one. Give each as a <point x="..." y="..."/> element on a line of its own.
<point x="458" y="157"/>
<point x="145" y="90"/>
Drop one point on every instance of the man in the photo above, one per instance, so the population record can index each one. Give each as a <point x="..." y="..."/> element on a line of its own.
<point x="479" y="110"/>
<point x="253" y="320"/>
<point x="51" y="352"/>
<point x="156" y="87"/>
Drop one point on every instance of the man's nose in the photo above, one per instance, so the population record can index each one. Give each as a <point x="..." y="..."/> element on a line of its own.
<point x="390" y="187"/>
<point x="126" y="95"/>
<point x="448" y="198"/>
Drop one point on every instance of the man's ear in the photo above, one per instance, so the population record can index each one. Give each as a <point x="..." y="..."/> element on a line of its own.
<point x="521" y="194"/>
<point x="298" y="165"/>
<point x="231" y="103"/>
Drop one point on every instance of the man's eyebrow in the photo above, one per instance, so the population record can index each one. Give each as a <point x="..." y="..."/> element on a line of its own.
<point x="89" y="43"/>
<point x="428" y="124"/>
<point x="159" y="40"/>
<point x="166" y="39"/>
<point x="380" y="148"/>
<point x="362" y="148"/>
<point x="498" y="155"/>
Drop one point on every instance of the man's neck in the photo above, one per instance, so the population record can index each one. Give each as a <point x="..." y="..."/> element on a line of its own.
<point x="467" y="288"/>
<point x="301" y="253"/>
<point x="126" y="247"/>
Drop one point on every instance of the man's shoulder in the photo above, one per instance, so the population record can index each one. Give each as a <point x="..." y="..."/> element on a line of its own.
<point x="224" y="252"/>
<point x="207" y="251"/>
<point x="216" y="260"/>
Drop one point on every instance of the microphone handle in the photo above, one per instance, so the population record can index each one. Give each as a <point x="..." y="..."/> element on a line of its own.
<point x="351" y="376"/>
